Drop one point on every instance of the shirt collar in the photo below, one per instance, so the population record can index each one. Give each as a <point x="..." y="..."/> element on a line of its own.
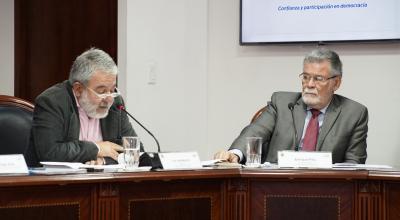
<point x="323" y="110"/>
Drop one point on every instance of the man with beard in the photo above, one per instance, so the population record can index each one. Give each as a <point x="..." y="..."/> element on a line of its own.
<point x="78" y="120"/>
<point x="324" y="121"/>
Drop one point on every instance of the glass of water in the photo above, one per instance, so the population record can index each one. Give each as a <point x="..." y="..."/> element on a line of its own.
<point x="131" y="147"/>
<point x="253" y="151"/>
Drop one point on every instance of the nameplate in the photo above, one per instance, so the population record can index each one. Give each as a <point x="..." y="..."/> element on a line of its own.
<point x="180" y="160"/>
<point x="305" y="159"/>
<point x="13" y="164"/>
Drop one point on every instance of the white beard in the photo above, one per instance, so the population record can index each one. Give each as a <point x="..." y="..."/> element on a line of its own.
<point x="90" y="109"/>
<point x="311" y="99"/>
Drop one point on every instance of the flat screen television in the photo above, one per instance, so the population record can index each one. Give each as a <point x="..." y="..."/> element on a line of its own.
<point x="318" y="21"/>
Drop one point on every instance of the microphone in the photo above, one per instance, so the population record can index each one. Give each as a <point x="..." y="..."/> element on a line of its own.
<point x="119" y="137"/>
<point x="121" y="107"/>
<point x="296" y="145"/>
<point x="147" y="158"/>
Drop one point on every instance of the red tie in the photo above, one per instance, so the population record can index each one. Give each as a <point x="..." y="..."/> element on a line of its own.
<point x="311" y="136"/>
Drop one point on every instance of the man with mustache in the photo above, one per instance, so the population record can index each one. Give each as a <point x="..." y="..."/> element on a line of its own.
<point x="341" y="125"/>
<point x="78" y="120"/>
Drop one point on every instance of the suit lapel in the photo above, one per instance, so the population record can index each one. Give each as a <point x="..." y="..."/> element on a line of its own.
<point x="331" y="115"/>
<point x="74" y="121"/>
<point x="109" y="126"/>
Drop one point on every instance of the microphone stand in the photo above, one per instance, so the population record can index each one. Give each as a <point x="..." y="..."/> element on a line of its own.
<point x="296" y="145"/>
<point x="147" y="158"/>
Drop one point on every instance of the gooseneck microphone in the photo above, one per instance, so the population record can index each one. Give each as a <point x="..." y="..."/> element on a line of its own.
<point x="147" y="158"/>
<point x="296" y="145"/>
<point x="122" y="108"/>
<point x="119" y="138"/>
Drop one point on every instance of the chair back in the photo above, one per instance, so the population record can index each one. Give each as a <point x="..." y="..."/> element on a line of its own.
<point x="258" y="113"/>
<point x="15" y="124"/>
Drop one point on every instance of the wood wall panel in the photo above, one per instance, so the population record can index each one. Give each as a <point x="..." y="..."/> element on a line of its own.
<point x="306" y="200"/>
<point x="370" y="202"/>
<point x="47" y="202"/>
<point x="392" y="201"/>
<point x="189" y="199"/>
<point x="238" y="199"/>
<point x="50" y="34"/>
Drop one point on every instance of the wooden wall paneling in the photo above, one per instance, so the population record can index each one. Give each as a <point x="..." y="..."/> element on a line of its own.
<point x="312" y="200"/>
<point x="173" y="200"/>
<point x="238" y="199"/>
<point x="48" y="202"/>
<point x="50" y="34"/>
<point x="108" y="202"/>
<point x="370" y="200"/>
<point x="391" y="207"/>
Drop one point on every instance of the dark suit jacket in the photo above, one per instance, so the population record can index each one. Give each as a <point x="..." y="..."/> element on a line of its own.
<point x="56" y="127"/>
<point x="343" y="132"/>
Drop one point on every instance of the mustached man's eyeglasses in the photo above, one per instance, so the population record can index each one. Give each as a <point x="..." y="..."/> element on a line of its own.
<point x="305" y="78"/>
<point x="105" y="95"/>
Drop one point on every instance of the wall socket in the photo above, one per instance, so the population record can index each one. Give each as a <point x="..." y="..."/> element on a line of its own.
<point x="151" y="71"/>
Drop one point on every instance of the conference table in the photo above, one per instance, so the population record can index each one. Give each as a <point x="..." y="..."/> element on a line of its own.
<point x="204" y="194"/>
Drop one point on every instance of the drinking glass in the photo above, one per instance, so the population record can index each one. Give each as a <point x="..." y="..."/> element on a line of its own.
<point x="253" y="151"/>
<point x="131" y="147"/>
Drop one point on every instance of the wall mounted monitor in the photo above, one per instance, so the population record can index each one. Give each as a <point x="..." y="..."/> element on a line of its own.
<point x="318" y="21"/>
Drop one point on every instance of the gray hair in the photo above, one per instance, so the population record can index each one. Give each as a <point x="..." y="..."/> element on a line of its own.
<point x="322" y="54"/>
<point x="88" y="63"/>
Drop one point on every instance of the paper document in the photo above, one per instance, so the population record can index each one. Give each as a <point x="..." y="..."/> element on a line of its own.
<point x="77" y="165"/>
<point x="50" y="164"/>
<point x="219" y="163"/>
<point x="206" y="163"/>
<point x="361" y="166"/>
<point x="54" y="171"/>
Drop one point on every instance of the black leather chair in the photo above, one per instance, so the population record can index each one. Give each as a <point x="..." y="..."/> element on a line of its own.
<point x="15" y="124"/>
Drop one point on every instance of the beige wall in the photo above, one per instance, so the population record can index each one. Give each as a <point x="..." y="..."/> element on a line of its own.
<point x="167" y="40"/>
<point x="208" y="86"/>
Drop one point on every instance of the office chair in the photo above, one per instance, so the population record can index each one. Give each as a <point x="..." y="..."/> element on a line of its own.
<point x="258" y="113"/>
<point x="15" y="124"/>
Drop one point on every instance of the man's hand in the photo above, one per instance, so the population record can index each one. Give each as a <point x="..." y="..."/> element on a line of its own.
<point x="99" y="161"/>
<point x="226" y="155"/>
<point x="108" y="149"/>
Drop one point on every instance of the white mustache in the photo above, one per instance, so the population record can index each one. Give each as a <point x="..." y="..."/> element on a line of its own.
<point x="310" y="91"/>
<point x="105" y="105"/>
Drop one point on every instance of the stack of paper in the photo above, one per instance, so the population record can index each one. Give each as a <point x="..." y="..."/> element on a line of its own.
<point x="219" y="163"/>
<point x="353" y="166"/>
<point x="50" y="168"/>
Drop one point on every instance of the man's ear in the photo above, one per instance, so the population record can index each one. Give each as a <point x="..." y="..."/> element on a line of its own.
<point x="338" y="81"/>
<point x="77" y="87"/>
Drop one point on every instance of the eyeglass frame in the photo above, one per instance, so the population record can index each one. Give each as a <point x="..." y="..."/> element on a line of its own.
<point x="105" y="95"/>
<point x="316" y="78"/>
